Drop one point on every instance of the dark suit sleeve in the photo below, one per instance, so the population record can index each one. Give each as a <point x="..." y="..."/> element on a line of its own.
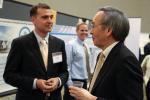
<point x="129" y="78"/>
<point x="12" y="74"/>
<point x="64" y="72"/>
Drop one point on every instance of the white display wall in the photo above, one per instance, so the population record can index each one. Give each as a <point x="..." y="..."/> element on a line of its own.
<point x="132" y="41"/>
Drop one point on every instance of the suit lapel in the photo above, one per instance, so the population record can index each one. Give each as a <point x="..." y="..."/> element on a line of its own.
<point x="50" y="47"/>
<point x="108" y="64"/>
<point x="36" y="50"/>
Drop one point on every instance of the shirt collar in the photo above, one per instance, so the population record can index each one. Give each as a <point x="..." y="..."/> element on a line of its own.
<point x="108" y="49"/>
<point x="80" y="41"/>
<point x="40" y="38"/>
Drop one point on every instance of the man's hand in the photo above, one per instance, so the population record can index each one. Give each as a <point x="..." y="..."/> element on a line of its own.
<point x="42" y="85"/>
<point x="53" y="83"/>
<point x="81" y="94"/>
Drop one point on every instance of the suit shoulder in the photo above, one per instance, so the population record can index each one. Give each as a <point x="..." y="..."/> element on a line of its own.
<point x="126" y="53"/>
<point x="56" y="39"/>
<point x="22" y="37"/>
<point x="122" y="51"/>
<point x="26" y="39"/>
<point x="147" y="46"/>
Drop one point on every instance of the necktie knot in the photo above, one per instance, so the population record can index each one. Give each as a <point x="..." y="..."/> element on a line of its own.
<point x="102" y="57"/>
<point x="43" y="42"/>
<point x="83" y="45"/>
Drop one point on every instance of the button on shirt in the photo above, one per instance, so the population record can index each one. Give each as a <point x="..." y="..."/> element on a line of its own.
<point x="76" y="60"/>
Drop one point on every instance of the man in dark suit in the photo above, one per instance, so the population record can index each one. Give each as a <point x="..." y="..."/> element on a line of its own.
<point x="37" y="70"/>
<point x="147" y="48"/>
<point x="120" y="76"/>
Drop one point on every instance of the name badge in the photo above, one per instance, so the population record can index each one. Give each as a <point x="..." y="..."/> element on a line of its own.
<point x="57" y="57"/>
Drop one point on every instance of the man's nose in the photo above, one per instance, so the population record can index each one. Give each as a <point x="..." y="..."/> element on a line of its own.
<point x="91" y="33"/>
<point x="50" y="20"/>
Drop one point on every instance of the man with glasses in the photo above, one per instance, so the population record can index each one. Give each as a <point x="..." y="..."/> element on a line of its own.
<point x="118" y="75"/>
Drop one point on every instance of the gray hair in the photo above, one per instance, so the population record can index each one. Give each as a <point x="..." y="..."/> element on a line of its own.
<point x="116" y="20"/>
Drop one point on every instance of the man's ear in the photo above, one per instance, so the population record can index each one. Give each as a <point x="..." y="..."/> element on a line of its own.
<point x="33" y="19"/>
<point x="109" y="31"/>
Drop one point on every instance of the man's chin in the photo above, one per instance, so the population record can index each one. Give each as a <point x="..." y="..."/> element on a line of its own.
<point x="94" y="42"/>
<point x="49" y="31"/>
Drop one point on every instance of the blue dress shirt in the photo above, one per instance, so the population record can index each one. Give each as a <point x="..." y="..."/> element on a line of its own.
<point x="76" y="60"/>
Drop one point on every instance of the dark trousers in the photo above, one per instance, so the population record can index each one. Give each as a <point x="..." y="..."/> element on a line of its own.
<point x="67" y="95"/>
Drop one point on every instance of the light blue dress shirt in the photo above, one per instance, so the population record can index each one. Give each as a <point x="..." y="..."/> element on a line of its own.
<point x="76" y="60"/>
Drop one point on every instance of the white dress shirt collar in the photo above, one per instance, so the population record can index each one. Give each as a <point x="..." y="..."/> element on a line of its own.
<point x="80" y="41"/>
<point x="40" y="38"/>
<point x="108" y="49"/>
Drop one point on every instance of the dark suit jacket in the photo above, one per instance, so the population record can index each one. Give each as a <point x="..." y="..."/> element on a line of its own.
<point x="25" y="63"/>
<point x="148" y="90"/>
<point x="147" y="49"/>
<point x="120" y="77"/>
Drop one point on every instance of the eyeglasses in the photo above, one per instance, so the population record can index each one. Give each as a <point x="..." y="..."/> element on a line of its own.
<point x="92" y="26"/>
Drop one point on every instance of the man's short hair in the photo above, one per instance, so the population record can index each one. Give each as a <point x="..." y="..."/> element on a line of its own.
<point x="79" y="24"/>
<point x="33" y="11"/>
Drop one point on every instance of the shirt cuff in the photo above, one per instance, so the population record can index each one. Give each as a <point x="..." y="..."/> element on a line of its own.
<point x="59" y="82"/>
<point x="34" y="84"/>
